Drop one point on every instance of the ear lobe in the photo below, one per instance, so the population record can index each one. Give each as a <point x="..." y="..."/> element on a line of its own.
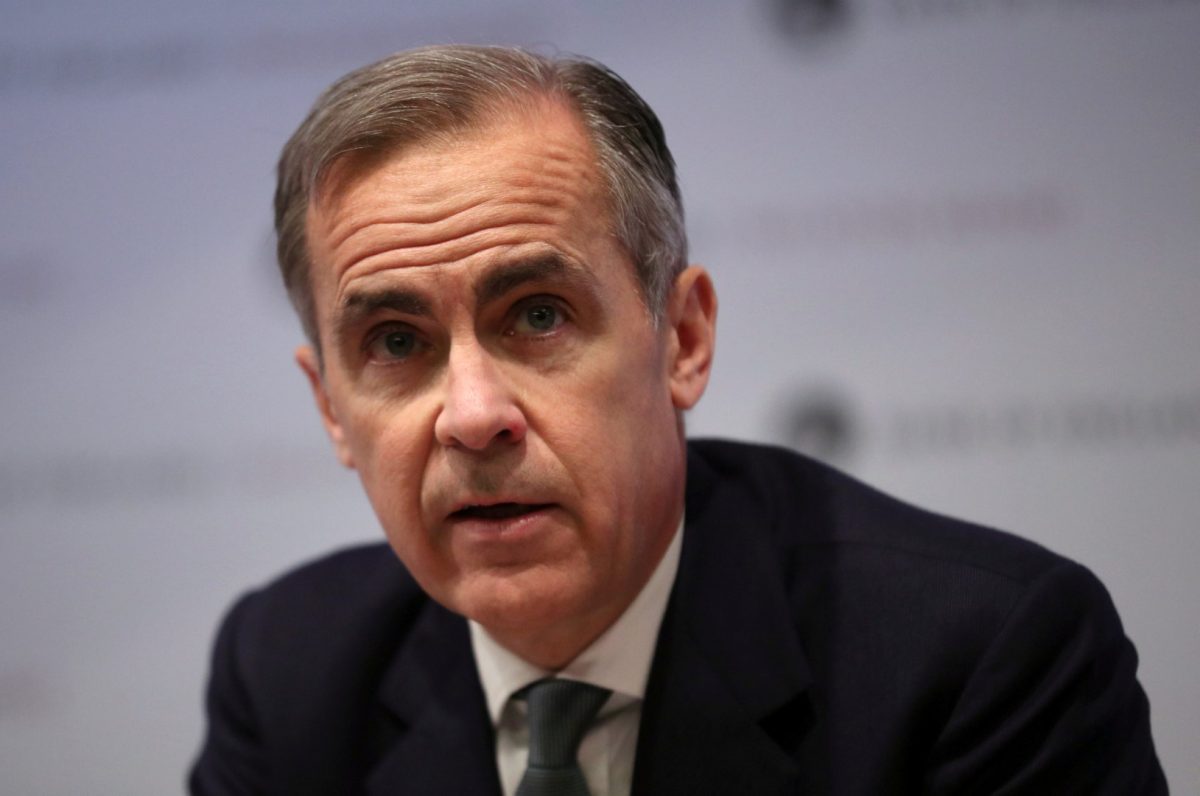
<point x="308" y="361"/>
<point x="692" y="314"/>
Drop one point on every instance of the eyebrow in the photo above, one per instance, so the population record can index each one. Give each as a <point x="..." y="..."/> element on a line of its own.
<point x="502" y="279"/>
<point x="363" y="304"/>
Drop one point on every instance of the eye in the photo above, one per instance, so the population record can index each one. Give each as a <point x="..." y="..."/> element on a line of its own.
<point x="538" y="317"/>
<point x="393" y="344"/>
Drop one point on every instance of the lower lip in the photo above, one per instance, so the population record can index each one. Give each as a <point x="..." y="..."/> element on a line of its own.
<point x="508" y="530"/>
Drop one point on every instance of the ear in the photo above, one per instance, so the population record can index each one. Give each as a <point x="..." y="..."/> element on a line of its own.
<point x="692" y="315"/>
<point x="308" y="361"/>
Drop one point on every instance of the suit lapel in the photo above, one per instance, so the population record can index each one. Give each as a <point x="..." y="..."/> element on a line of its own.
<point x="726" y="706"/>
<point x="442" y="741"/>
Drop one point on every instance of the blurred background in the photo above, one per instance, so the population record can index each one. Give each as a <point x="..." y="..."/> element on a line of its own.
<point x="957" y="245"/>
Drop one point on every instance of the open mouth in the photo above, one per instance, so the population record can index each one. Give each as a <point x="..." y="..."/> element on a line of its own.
<point x="498" y="511"/>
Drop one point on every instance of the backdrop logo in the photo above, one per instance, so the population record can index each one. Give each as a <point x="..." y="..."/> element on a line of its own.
<point x="809" y="22"/>
<point x="820" y="422"/>
<point x="823" y="422"/>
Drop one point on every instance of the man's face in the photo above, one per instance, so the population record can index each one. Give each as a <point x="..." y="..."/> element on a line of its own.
<point x="492" y="373"/>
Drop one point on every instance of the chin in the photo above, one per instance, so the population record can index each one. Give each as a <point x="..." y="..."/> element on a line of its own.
<point x="529" y="602"/>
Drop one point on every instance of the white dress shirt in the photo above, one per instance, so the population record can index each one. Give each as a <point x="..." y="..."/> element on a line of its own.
<point x="618" y="660"/>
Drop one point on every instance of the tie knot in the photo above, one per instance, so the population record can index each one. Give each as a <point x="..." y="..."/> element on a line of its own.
<point x="559" y="713"/>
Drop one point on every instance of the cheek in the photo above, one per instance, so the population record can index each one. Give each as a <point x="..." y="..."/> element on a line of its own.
<point x="391" y="452"/>
<point x="614" y="445"/>
<point x="393" y="482"/>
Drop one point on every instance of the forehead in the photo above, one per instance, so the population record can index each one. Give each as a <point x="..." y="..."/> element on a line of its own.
<point x="522" y="176"/>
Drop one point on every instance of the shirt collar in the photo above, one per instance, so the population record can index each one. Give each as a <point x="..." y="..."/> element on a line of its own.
<point x="619" y="659"/>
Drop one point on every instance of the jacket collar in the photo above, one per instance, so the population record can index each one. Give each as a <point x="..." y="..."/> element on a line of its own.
<point x="726" y="705"/>
<point x="438" y="737"/>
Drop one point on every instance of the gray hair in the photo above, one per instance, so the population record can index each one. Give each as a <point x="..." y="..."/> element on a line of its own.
<point x="415" y="96"/>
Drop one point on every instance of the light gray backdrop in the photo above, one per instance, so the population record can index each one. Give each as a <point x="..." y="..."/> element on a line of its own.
<point x="955" y="242"/>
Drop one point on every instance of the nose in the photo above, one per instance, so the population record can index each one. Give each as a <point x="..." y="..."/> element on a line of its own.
<point x="479" y="409"/>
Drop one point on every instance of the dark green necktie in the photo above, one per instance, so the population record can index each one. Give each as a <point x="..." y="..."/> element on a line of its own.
<point x="559" y="714"/>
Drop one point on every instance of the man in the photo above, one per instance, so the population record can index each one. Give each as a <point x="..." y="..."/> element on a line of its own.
<point x="487" y="253"/>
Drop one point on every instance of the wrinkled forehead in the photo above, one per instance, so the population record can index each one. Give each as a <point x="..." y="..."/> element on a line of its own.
<point x="529" y="111"/>
<point x="522" y="181"/>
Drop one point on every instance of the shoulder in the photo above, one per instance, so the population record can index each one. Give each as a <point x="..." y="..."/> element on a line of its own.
<point x="812" y="509"/>
<point x="928" y="592"/>
<point x="959" y="645"/>
<point x="306" y="650"/>
<point x="345" y="614"/>
<point x="348" y="577"/>
<point x="349" y="591"/>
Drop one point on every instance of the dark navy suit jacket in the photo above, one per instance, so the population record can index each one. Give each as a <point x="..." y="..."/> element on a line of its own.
<point x="820" y="638"/>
